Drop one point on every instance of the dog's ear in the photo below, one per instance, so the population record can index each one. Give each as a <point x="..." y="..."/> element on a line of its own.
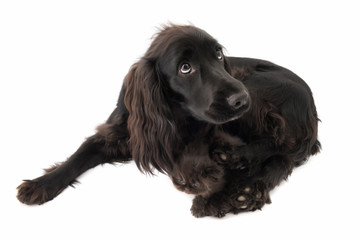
<point x="227" y="65"/>
<point x="151" y="124"/>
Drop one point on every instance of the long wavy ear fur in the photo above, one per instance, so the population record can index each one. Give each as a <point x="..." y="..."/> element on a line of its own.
<point x="227" y="65"/>
<point x="150" y="123"/>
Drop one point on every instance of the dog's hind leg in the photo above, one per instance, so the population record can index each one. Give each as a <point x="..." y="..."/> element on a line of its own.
<point x="108" y="145"/>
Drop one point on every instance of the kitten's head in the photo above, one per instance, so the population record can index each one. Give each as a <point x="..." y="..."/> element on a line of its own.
<point x="195" y="173"/>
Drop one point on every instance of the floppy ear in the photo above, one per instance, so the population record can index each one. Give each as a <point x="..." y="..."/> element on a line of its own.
<point x="227" y="65"/>
<point x="151" y="124"/>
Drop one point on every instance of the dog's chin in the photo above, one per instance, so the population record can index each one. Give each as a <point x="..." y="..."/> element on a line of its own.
<point x="218" y="115"/>
<point x="217" y="118"/>
<point x="222" y="117"/>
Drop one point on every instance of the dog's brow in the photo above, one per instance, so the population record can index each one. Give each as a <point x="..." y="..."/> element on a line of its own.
<point x="187" y="53"/>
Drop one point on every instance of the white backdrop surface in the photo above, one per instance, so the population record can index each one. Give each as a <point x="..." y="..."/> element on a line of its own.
<point x="61" y="69"/>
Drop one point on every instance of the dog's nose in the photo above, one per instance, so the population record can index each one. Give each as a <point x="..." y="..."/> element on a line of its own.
<point x="238" y="99"/>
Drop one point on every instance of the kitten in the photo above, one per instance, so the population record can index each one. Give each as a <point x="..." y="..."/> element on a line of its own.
<point x="204" y="171"/>
<point x="195" y="173"/>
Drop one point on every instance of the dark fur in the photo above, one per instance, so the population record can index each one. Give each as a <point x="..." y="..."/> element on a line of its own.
<point x="194" y="172"/>
<point x="239" y="190"/>
<point x="161" y="110"/>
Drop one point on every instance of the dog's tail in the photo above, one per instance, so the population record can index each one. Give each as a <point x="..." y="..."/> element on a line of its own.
<point x="316" y="148"/>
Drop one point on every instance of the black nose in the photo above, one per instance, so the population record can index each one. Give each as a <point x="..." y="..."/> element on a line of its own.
<point x="238" y="99"/>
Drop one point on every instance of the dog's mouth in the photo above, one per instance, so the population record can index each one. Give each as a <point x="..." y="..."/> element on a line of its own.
<point x="217" y="113"/>
<point x="228" y="107"/>
<point x="220" y="117"/>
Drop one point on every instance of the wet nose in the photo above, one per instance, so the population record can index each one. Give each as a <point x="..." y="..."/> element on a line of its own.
<point x="238" y="100"/>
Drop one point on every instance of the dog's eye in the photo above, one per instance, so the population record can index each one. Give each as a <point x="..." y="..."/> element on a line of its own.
<point x="180" y="181"/>
<point x="219" y="54"/>
<point x="185" y="68"/>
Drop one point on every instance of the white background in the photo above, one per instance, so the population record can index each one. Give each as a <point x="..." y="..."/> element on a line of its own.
<point x="61" y="69"/>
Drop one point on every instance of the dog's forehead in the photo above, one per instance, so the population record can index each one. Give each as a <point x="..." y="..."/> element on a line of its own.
<point x="184" y="40"/>
<point x="190" y="49"/>
<point x="194" y="42"/>
<point x="186" y="32"/>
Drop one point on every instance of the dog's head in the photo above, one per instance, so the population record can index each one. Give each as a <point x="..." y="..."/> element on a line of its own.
<point x="192" y="64"/>
<point x="183" y="66"/>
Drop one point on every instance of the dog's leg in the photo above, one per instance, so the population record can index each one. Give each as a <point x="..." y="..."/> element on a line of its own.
<point x="245" y="157"/>
<point x="274" y="170"/>
<point x="249" y="196"/>
<point x="257" y="169"/>
<point x="108" y="145"/>
<point x="253" y="193"/>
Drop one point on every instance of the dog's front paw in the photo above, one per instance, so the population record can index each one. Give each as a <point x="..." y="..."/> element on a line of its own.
<point x="230" y="159"/>
<point x="31" y="192"/>
<point x="251" y="198"/>
<point x="41" y="190"/>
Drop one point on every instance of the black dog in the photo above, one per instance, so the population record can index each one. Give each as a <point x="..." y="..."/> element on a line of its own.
<point x="183" y="85"/>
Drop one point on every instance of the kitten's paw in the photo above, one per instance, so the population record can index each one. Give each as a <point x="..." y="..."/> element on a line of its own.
<point x="251" y="198"/>
<point x="198" y="208"/>
<point x="220" y="213"/>
<point x="212" y="206"/>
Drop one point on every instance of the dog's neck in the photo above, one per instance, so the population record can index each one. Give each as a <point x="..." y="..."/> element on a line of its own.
<point x="189" y="128"/>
